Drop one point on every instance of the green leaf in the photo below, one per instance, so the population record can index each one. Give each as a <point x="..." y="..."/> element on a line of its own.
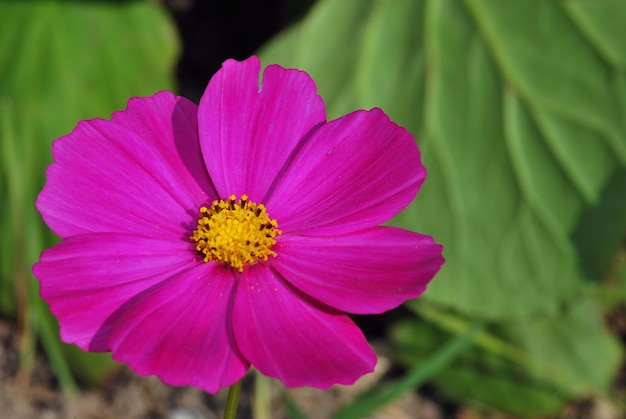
<point x="528" y="368"/>
<point x="602" y="22"/>
<point x="519" y="109"/>
<point x="61" y="62"/>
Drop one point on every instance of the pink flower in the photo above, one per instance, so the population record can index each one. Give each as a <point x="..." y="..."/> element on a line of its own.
<point x="201" y="240"/>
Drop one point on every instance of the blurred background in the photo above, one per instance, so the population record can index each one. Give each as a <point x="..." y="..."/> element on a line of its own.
<point x="519" y="108"/>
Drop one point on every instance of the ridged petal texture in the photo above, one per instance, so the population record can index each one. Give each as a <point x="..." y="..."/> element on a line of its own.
<point x="124" y="196"/>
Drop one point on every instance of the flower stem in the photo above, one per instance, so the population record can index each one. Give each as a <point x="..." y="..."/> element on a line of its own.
<point x="232" y="401"/>
<point x="261" y="405"/>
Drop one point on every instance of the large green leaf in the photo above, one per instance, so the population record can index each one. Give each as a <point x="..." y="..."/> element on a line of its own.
<point x="520" y="110"/>
<point x="61" y="62"/>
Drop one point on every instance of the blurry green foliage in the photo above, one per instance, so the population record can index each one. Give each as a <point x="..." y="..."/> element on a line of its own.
<point x="519" y="108"/>
<point x="61" y="62"/>
<point x="430" y="366"/>
<point x="529" y="366"/>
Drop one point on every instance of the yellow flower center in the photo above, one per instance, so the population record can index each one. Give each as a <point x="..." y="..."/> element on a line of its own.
<point x="236" y="233"/>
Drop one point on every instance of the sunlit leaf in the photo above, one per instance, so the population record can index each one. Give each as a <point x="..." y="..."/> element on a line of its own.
<point x="520" y="112"/>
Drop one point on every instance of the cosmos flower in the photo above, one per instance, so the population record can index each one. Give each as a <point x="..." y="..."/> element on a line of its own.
<point x="198" y="241"/>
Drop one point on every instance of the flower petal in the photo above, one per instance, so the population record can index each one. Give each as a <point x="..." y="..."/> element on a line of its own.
<point x="181" y="331"/>
<point x="367" y="272"/>
<point x="247" y="134"/>
<point x="168" y="124"/>
<point x="140" y="173"/>
<point x="287" y="336"/>
<point x="355" y="172"/>
<point x="87" y="278"/>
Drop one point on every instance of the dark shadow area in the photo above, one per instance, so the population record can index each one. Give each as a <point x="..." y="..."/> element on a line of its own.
<point x="213" y="31"/>
<point x="601" y="229"/>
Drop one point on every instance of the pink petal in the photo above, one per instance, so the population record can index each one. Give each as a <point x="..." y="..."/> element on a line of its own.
<point x="247" y="134"/>
<point x="354" y="172"/>
<point x="290" y="337"/>
<point x="181" y="330"/>
<point x="366" y="272"/>
<point x="86" y="279"/>
<point x="140" y="173"/>
<point x="169" y="124"/>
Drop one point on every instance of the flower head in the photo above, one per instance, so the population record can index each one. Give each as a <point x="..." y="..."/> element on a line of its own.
<point x="200" y="240"/>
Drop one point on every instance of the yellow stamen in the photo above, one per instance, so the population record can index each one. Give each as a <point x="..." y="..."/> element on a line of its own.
<point x="237" y="233"/>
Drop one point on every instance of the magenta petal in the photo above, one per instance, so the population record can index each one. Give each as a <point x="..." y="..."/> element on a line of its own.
<point x="286" y="336"/>
<point x="181" y="331"/>
<point x="355" y="172"/>
<point x="247" y="134"/>
<point x="139" y="173"/>
<point x="168" y="125"/>
<point x="366" y="272"/>
<point x="85" y="279"/>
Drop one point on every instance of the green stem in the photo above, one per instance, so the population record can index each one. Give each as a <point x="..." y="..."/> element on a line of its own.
<point x="232" y="401"/>
<point x="261" y="405"/>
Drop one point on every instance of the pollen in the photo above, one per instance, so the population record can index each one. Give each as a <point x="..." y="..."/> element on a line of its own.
<point x="235" y="232"/>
